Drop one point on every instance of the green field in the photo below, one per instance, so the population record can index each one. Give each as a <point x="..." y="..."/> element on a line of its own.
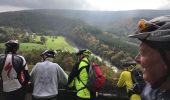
<point x="51" y="43"/>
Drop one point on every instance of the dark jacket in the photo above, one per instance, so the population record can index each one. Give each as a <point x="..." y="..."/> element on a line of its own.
<point x="154" y="94"/>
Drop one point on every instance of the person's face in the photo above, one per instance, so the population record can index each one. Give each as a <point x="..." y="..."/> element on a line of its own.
<point x="151" y="62"/>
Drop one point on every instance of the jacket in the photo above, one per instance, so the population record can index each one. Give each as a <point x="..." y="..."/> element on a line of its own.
<point x="46" y="77"/>
<point x="125" y="80"/>
<point x="14" y="72"/>
<point x="82" y="91"/>
<point x="154" y="94"/>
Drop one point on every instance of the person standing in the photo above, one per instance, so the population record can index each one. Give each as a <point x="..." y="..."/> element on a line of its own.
<point x="45" y="77"/>
<point x="78" y="78"/>
<point x="125" y="80"/>
<point x="154" y="57"/>
<point x="13" y="71"/>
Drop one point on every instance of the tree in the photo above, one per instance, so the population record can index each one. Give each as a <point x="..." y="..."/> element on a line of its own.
<point x="116" y="59"/>
<point x="43" y="39"/>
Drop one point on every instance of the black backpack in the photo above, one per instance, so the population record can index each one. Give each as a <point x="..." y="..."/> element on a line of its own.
<point x="138" y="81"/>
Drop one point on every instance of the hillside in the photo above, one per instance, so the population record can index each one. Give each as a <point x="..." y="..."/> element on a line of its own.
<point x="37" y="22"/>
<point x="103" y="32"/>
<point x="105" y="19"/>
<point x="62" y="21"/>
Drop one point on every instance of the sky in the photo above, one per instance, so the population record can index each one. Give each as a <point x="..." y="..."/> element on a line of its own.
<point x="99" y="5"/>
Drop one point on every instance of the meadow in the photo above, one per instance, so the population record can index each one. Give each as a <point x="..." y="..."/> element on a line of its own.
<point x="51" y="44"/>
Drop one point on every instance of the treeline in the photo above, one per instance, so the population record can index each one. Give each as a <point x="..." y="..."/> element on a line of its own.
<point x="107" y="47"/>
<point x="64" y="58"/>
<point x="7" y="33"/>
<point x="38" y="22"/>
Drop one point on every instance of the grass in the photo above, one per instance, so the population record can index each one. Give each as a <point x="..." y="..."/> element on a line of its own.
<point x="30" y="46"/>
<point x="51" y="43"/>
<point x="59" y="43"/>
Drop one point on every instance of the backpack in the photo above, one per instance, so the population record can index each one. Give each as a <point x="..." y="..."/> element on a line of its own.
<point x="138" y="81"/>
<point x="11" y="65"/>
<point x="96" y="79"/>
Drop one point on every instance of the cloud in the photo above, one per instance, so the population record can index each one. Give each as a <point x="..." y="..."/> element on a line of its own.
<point x="81" y="4"/>
<point x="10" y="8"/>
<point x="46" y="4"/>
<point x="165" y="4"/>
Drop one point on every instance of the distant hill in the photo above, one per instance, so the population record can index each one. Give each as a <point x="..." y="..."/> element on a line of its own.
<point x="116" y="22"/>
<point x="120" y="23"/>
<point x="110" y="28"/>
<point x="33" y="21"/>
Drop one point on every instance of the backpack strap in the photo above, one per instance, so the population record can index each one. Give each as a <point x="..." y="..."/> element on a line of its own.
<point x="17" y="69"/>
<point x="78" y="77"/>
<point x="132" y="76"/>
<point x="87" y="68"/>
<point x="88" y="65"/>
<point x="2" y="63"/>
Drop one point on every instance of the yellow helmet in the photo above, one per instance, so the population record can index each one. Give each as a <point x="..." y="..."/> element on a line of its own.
<point x="85" y="52"/>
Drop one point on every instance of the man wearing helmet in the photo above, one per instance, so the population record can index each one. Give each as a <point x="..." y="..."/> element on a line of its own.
<point x="46" y="76"/>
<point x="14" y="72"/>
<point x="80" y="78"/>
<point x="154" y="57"/>
<point x="125" y="80"/>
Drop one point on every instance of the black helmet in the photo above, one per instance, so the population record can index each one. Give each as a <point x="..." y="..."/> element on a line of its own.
<point x="48" y="53"/>
<point x="127" y="64"/>
<point x="85" y="52"/>
<point x="156" y="33"/>
<point x="12" y="46"/>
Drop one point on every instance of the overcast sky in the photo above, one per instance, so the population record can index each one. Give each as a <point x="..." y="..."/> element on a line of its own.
<point x="101" y="5"/>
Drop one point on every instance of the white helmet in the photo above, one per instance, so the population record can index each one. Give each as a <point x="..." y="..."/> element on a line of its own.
<point x="48" y="53"/>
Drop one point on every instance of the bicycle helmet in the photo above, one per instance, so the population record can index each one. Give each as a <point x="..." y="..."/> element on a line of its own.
<point x="130" y="63"/>
<point x="85" y="52"/>
<point x="156" y="33"/>
<point x="48" y="53"/>
<point x="12" y="46"/>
